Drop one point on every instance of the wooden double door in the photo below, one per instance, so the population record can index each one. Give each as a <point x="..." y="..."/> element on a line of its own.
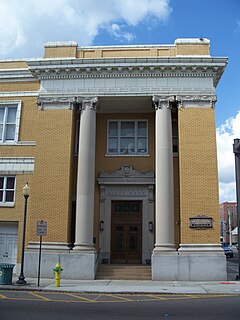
<point x="126" y="232"/>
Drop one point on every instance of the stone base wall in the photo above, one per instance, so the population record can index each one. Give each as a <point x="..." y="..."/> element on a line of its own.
<point x="75" y="265"/>
<point x="189" y="267"/>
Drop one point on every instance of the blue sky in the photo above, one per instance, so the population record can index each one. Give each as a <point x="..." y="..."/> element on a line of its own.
<point x="27" y="24"/>
<point x="217" y="20"/>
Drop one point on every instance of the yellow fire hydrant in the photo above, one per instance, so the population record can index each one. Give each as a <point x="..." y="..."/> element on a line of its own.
<point x="57" y="271"/>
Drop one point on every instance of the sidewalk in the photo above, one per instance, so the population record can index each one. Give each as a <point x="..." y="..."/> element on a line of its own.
<point x="130" y="286"/>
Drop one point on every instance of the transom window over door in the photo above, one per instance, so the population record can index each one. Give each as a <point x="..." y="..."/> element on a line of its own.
<point x="127" y="137"/>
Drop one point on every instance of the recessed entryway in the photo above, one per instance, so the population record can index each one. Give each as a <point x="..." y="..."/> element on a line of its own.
<point x="126" y="234"/>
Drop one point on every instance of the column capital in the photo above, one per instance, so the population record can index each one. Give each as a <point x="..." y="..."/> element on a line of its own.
<point x="160" y="102"/>
<point x="80" y="103"/>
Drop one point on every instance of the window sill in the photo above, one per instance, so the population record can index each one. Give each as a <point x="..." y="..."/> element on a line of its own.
<point x="18" y="143"/>
<point x="7" y="204"/>
<point x="127" y="155"/>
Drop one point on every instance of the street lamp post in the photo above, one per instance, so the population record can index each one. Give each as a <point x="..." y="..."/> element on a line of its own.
<point x="236" y="151"/>
<point x="26" y="190"/>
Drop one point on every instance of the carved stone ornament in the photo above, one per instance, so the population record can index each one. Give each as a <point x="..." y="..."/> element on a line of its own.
<point x="168" y="101"/>
<point x="127" y="170"/>
<point x="67" y="102"/>
<point x="81" y="103"/>
<point x="178" y="101"/>
<point x="126" y="175"/>
<point x="208" y="99"/>
<point x="53" y="101"/>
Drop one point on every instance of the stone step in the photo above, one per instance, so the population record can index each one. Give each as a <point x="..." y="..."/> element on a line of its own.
<point x="123" y="272"/>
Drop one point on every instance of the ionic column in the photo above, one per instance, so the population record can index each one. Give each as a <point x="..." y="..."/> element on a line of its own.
<point x="164" y="176"/>
<point x="86" y="176"/>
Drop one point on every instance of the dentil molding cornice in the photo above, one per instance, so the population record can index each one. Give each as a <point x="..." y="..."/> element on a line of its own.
<point x="44" y="69"/>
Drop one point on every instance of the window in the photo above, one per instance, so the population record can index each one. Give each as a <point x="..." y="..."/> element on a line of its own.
<point x="175" y="136"/>
<point x="127" y="137"/>
<point x="8" y="122"/>
<point x="7" y="190"/>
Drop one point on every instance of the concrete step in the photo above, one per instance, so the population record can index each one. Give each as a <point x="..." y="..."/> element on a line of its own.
<point x="123" y="272"/>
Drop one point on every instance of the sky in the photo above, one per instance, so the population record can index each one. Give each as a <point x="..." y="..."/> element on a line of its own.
<point x="25" y="25"/>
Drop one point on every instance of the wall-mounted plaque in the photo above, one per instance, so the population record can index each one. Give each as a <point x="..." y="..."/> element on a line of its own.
<point x="200" y="222"/>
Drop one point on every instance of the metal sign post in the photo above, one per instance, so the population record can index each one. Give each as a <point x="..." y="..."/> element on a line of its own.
<point x="236" y="151"/>
<point x="41" y="231"/>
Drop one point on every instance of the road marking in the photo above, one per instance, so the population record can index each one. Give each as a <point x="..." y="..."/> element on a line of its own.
<point x="103" y="298"/>
<point x="120" y="298"/>
<point x="2" y="296"/>
<point x="157" y="297"/>
<point x="79" y="297"/>
<point x="38" y="296"/>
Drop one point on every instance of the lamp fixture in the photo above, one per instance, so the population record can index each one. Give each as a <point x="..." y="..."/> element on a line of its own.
<point x="150" y="226"/>
<point x="101" y="225"/>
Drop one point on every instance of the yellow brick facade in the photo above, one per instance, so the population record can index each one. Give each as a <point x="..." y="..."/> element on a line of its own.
<point x="19" y="86"/>
<point x="52" y="179"/>
<point x="12" y="64"/>
<point x="147" y="51"/>
<point x="48" y="134"/>
<point x="27" y="132"/>
<point x="190" y="50"/>
<point x="198" y="173"/>
<point x="60" y="52"/>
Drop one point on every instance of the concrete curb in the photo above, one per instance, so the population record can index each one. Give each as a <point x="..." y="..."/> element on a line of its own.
<point x="129" y="286"/>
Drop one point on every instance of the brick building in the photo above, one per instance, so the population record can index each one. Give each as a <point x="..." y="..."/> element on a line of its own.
<point x="118" y="146"/>
<point x="228" y="221"/>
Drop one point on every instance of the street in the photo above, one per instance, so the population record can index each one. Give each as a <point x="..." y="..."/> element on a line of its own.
<point x="36" y="305"/>
<point x="20" y="305"/>
<point x="232" y="266"/>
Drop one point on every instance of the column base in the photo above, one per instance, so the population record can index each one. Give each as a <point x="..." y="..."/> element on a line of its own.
<point x="164" y="248"/>
<point x="191" y="263"/>
<point x="81" y="247"/>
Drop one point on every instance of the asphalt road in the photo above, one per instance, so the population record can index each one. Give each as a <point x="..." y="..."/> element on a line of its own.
<point x="28" y="305"/>
<point x="19" y="305"/>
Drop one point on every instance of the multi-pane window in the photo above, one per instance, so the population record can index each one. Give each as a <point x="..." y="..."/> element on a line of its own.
<point x="7" y="189"/>
<point x="8" y="116"/>
<point x="127" y="137"/>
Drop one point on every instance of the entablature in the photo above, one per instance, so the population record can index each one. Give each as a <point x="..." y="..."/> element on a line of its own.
<point x="13" y="75"/>
<point x="44" y="69"/>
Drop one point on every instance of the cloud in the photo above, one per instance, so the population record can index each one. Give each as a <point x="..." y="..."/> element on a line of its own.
<point x="118" y="32"/>
<point x="237" y="29"/>
<point x="11" y="31"/>
<point x="26" y="24"/>
<point x="226" y="133"/>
